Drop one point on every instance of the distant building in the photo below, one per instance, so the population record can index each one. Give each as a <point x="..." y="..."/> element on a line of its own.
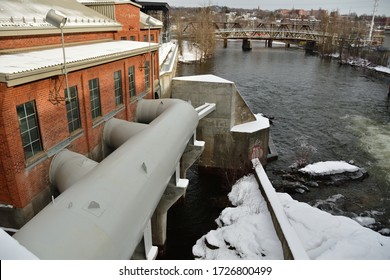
<point x="111" y="62"/>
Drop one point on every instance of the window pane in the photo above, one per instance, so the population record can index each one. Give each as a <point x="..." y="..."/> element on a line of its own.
<point x="31" y="122"/>
<point x="28" y="152"/>
<point x="26" y="139"/>
<point x="118" y="87"/>
<point x="131" y="81"/>
<point x="36" y="146"/>
<point x="23" y="125"/>
<point x="21" y="112"/>
<point x="95" y="98"/>
<point x="30" y="108"/>
<point x="29" y="129"/>
<point x="34" y="134"/>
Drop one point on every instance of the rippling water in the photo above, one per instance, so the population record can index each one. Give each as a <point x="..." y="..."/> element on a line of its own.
<point x="344" y="112"/>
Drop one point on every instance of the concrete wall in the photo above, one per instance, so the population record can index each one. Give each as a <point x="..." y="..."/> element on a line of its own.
<point x="224" y="149"/>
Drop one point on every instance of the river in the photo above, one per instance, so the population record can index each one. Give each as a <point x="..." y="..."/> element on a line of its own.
<point x="341" y="111"/>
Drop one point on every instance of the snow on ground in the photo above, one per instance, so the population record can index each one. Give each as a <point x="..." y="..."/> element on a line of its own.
<point x="246" y="231"/>
<point x="329" y="168"/>
<point x="325" y="236"/>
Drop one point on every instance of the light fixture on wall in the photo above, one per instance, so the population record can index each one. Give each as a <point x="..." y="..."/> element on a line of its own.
<point x="58" y="20"/>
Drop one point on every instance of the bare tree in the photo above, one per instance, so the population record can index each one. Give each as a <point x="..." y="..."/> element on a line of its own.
<point x="203" y="33"/>
<point x="178" y="28"/>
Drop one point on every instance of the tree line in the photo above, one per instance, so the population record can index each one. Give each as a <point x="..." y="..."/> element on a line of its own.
<point x="345" y="35"/>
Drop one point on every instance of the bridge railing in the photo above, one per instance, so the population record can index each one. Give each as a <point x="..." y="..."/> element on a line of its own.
<point x="268" y="33"/>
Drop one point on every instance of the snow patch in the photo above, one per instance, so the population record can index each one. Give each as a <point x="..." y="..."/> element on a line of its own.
<point x="329" y="168"/>
<point x="250" y="127"/>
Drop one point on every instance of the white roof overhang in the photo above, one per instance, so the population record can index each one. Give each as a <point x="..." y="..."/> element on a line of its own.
<point x="21" y="68"/>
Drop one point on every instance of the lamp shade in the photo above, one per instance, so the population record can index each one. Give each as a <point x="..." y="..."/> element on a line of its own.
<point x="56" y="18"/>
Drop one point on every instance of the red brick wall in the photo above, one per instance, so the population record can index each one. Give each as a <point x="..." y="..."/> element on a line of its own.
<point x="17" y="42"/>
<point x="129" y="16"/>
<point x="19" y="180"/>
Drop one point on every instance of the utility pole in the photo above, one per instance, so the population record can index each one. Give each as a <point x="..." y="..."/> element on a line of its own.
<point x="372" y="20"/>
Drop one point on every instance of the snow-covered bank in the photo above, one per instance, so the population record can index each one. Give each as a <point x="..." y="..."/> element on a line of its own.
<point x="364" y="63"/>
<point x="246" y="231"/>
<point x="190" y="53"/>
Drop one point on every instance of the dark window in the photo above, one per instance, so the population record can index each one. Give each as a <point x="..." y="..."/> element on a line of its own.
<point x="29" y="129"/>
<point x="146" y="38"/>
<point x="131" y="81"/>
<point x="147" y="74"/>
<point x="132" y="38"/>
<point x="152" y="37"/>
<point x="118" y="87"/>
<point x="94" y="93"/>
<point x="123" y="38"/>
<point x="73" y="109"/>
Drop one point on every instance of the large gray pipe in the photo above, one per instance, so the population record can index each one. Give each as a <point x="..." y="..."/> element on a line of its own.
<point x="67" y="168"/>
<point x="104" y="214"/>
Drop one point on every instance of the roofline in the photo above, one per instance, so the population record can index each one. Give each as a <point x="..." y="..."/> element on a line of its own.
<point x="15" y="79"/>
<point x="154" y="3"/>
<point x="108" y="2"/>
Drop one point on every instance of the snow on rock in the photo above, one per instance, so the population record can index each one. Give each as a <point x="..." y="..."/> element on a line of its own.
<point x="245" y="231"/>
<point x="329" y="168"/>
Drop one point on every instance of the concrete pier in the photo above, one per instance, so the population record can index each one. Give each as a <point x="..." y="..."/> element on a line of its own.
<point x="246" y="44"/>
<point x="232" y="133"/>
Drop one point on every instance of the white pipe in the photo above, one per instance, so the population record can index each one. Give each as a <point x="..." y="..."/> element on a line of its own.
<point x="116" y="132"/>
<point x="12" y="250"/>
<point x="67" y="168"/>
<point x="104" y="214"/>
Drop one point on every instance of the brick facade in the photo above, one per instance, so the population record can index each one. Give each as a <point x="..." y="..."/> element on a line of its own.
<point x="24" y="184"/>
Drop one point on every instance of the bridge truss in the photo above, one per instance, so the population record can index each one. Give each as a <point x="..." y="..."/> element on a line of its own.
<point x="292" y="31"/>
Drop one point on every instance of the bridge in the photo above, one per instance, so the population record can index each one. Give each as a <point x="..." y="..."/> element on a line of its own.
<point x="289" y="32"/>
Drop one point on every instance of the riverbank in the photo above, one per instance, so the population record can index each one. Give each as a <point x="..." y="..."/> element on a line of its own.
<point x="315" y="98"/>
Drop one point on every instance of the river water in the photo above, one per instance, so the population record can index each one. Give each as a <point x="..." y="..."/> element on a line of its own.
<point x="341" y="111"/>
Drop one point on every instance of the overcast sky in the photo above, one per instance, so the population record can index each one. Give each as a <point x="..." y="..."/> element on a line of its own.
<point x="344" y="6"/>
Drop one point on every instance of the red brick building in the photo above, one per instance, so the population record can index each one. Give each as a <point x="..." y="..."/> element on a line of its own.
<point x="110" y="65"/>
